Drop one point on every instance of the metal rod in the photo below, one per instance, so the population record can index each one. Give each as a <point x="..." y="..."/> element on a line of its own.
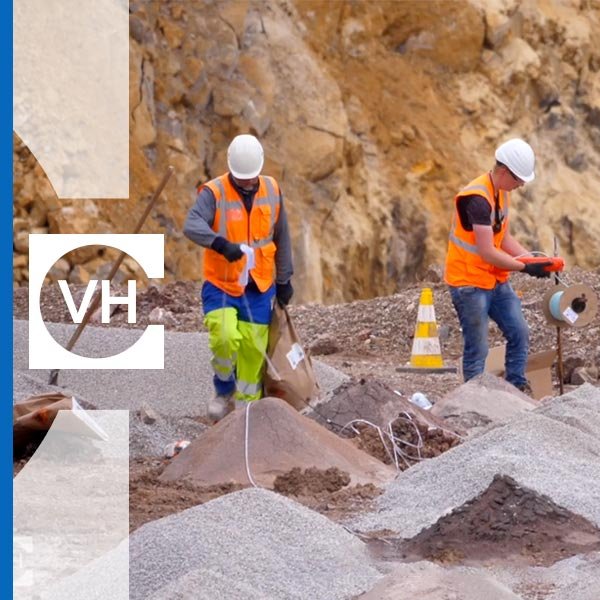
<point x="559" y="363"/>
<point x="96" y="299"/>
<point x="559" y="356"/>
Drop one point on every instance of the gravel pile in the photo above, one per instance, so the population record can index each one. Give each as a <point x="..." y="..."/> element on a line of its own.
<point x="181" y="389"/>
<point x="150" y="439"/>
<point x="25" y="385"/>
<point x="249" y="545"/>
<point x="106" y="577"/>
<point x="553" y="450"/>
<point x="575" y="578"/>
<point x="427" y="581"/>
<point x="483" y="401"/>
<point x="578" y="409"/>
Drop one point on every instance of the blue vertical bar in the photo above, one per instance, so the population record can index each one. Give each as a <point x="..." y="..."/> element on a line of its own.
<point x="6" y="237"/>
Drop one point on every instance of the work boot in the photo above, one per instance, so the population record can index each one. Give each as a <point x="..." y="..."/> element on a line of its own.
<point x="220" y="406"/>
<point x="525" y="388"/>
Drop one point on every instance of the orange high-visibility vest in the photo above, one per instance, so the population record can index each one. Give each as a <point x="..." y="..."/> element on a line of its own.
<point x="464" y="266"/>
<point x="233" y="222"/>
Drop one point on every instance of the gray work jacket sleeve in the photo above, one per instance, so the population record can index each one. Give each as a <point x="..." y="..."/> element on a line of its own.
<point x="283" y="255"/>
<point x="200" y="219"/>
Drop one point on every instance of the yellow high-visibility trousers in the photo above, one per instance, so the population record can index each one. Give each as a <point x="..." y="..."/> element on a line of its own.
<point x="238" y="353"/>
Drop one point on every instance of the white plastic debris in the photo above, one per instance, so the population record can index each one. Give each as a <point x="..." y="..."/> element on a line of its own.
<point x="421" y="400"/>
<point x="175" y="448"/>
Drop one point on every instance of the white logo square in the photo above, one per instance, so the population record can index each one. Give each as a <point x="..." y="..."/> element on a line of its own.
<point x="44" y="351"/>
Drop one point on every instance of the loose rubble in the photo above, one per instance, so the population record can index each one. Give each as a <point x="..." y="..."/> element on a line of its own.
<point x="497" y="492"/>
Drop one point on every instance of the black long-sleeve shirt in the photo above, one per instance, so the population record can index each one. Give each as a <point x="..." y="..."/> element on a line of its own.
<point x="474" y="210"/>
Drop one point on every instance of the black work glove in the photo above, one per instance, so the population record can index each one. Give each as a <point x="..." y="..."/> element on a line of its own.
<point x="229" y="250"/>
<point x="537" y="269"/>
<point x="284" y="293"/>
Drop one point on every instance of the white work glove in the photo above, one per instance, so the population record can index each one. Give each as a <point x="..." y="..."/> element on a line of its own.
<point x="250" y="263"/>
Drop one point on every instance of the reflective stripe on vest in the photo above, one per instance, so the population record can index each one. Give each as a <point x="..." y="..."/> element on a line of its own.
<point x="478" y="190"/>
<point x="220" y="206"/>
<point x="272" y="200"/>
<point x="464" y="245"/>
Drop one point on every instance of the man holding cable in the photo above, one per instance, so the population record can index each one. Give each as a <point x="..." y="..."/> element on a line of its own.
<point x="481" y="255"/>
<point x="240" y="219"/>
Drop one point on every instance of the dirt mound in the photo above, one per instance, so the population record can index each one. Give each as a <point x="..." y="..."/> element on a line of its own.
<point x="367" y="398"/>
<point x="419" y="433"/>
<point x="297" y="482"/>
<point x="150" y="498"/>
<point x="504" y="523"/>
<point x="279" y="439"/>
<point x="326" y="491"/>
<point x="416" y="441"/>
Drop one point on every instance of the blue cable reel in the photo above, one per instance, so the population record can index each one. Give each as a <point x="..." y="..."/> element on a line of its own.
<point x="572" y="306"/>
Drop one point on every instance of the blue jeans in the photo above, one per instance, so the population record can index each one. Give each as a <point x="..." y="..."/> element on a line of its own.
<point x="475" y="306"/>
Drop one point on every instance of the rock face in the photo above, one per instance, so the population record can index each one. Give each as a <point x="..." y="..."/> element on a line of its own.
<point x="372" y="115"/>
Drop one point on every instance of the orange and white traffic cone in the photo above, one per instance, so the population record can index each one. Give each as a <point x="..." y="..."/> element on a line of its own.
<point x="426" y="350"/>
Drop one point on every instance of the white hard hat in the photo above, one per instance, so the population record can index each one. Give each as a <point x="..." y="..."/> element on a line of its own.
<point x="517" y="155"/>
<point x="245" y="157"/>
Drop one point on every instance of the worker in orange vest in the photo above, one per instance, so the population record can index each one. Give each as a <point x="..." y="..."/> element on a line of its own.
<point x="240" y="219"/>
<point x="481" y="255"/>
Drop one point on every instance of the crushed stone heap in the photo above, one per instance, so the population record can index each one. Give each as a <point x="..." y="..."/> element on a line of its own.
<point x="248" y="545"/>
<point x="505" y="522"/>
<point x="552" y="450"/>
<point x="481" y="401"/>
<point x="428" y="581"/>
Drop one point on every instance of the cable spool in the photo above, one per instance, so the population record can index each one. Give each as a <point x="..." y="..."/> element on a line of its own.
<point x="573" y="306"/>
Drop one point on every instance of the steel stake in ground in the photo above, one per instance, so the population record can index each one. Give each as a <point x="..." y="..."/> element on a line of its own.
<point x="559" y="360"/>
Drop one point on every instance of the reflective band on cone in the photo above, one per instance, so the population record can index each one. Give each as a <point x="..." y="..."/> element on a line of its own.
<point x="426" y="350"/>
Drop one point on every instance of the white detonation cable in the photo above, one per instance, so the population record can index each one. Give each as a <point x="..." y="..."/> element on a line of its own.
<point x="395" y="442"/>
<point x="381" y="435"/>
<point x="246" y="446"/>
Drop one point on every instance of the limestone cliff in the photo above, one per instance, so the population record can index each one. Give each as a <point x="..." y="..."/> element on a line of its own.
<point x="372" y="114"/>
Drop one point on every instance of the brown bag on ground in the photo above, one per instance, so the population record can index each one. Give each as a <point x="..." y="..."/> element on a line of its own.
<point x="289" y="374"/>
<point x="34" y="416"/>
